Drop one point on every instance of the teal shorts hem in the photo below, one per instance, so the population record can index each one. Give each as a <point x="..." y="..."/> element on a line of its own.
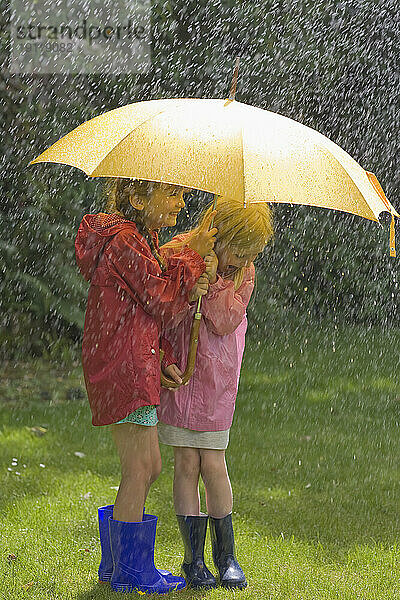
<point x="144" y="415"/>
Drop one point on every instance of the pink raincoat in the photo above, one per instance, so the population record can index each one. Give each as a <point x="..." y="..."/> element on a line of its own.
<point x="207" y="402"/>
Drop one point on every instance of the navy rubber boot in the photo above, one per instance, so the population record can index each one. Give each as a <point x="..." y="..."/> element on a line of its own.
<point x="193" y="531"/>
<point x="106" y="564"/>
<point x="223" y="551"/>
<point x="132" y="548"/>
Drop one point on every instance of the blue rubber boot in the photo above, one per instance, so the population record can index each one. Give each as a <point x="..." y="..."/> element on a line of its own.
<point x="193" y="531"/>
<point x="231" y="575"/>
<point x="106" y="564"/>
<point x="132" y="548"/>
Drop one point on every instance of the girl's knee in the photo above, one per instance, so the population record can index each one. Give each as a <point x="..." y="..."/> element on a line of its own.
<point x="143" y="472"/>
<point x="139" y="467"/>
<point x="212" y="464"/>
<point x="187" y="463"/>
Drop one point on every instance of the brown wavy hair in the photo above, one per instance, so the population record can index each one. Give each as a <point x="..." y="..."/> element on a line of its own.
<point x="118" y="191"/>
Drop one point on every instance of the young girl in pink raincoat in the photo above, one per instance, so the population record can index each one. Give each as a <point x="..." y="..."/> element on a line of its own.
<point x="196" y="418"/>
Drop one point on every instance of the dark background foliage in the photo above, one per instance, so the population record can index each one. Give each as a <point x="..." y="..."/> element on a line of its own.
<point x="330" y="65"/>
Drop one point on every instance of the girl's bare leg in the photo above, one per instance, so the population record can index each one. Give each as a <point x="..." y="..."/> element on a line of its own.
<point x="216" y="481"/>
<point x="139" y="455"/>
<point x="186" y="481"/>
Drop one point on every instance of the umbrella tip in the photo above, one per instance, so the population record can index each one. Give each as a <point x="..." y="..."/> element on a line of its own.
<point x="234" y="79"/>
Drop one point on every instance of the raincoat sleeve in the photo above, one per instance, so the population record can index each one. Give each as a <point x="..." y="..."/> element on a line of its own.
<point x="136" y="270"/>
<point x="224" y="307"/>
<point x="169" y="357"/>
<point x="170" y="255"/>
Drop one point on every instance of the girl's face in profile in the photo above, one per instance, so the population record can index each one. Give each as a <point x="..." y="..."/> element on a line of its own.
<point x="230" y="260"/>
<point x="161" y="209"/>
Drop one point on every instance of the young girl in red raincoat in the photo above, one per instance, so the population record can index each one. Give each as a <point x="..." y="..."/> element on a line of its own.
<point x="131" y="290"/>
<point x="196" y="419"/>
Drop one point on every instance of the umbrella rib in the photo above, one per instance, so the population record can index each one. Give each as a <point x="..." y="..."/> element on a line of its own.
<point x="352" y="180"/>
<point x="390" y="210"/>
<point x="127" y="135"/>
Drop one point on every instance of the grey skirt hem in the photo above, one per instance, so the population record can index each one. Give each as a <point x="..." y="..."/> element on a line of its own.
<point x="180" y="436"/>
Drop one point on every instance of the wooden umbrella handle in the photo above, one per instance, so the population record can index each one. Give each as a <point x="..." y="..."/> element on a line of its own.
<point x="193" y="341"/>
<point x="191" y="358"/>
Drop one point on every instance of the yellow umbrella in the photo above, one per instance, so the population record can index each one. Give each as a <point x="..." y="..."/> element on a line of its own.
<point x="224" y="147"/>
<point x="227" y="148"/>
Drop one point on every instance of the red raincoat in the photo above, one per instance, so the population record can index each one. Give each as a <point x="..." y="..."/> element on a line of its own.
<point x="128" y="296"/>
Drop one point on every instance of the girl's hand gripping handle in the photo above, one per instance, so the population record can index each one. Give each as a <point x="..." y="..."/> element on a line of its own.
<point x="203" y="241"/>
<point x="211" y="261"/>
<point x="174" y="373"/>
<point x="199" y="289"/>
<point x="191" y="358"/>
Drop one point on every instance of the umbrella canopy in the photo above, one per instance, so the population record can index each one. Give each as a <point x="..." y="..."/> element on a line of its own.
<point x="227" y="148"/>
<point x="224" y="147"/>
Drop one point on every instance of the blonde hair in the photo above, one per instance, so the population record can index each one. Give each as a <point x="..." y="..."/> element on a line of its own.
<point x="242" y="230"/>
<point x="118" y="191"/>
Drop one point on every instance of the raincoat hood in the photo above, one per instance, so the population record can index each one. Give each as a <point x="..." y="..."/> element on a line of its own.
<point x="94" y="233"/>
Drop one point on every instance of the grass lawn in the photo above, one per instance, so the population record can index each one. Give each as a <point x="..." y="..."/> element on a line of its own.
<point x="313" y="458"/>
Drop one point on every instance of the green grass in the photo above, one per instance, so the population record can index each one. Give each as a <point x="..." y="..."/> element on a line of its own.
<point x="313" y="459"/>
